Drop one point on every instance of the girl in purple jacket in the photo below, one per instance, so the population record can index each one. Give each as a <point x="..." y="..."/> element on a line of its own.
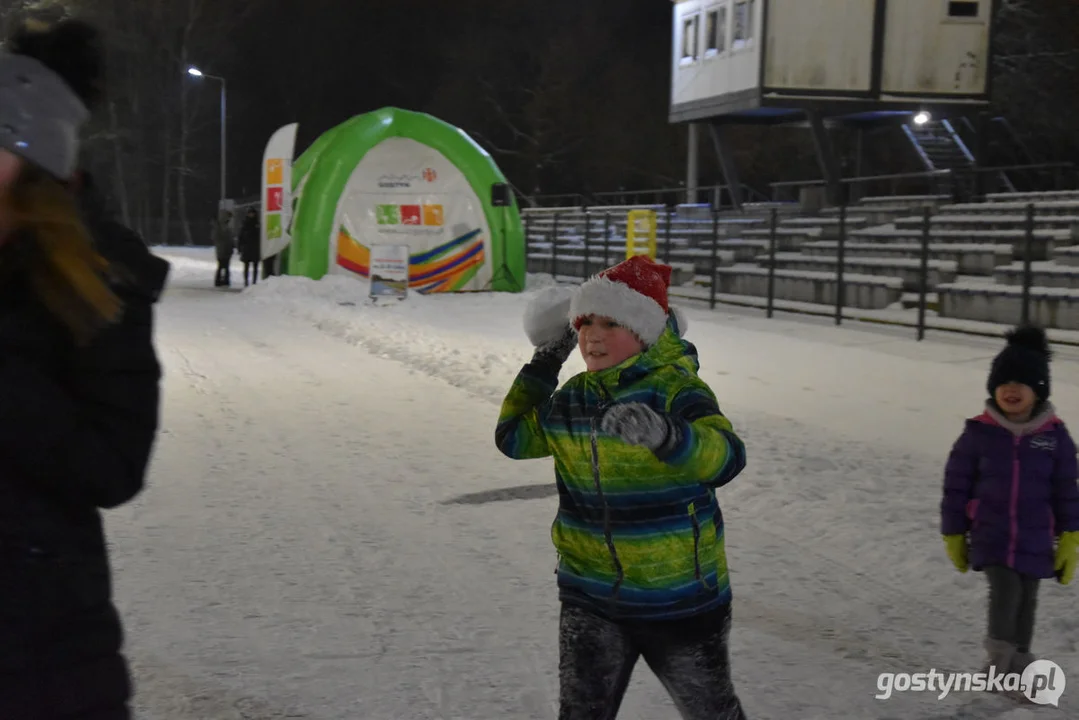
<point x="1011" y="503"/>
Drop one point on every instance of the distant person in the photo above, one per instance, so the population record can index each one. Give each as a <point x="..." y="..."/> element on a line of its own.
<point x="1011" y="502"/>
<point x="641" y="573"/>
<point x="79" y="387"/>
<point x="251" y="246"/>
<point x="223" y="245"/>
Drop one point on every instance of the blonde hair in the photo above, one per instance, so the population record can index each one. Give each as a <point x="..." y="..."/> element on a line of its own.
<point x="67" y="273"/>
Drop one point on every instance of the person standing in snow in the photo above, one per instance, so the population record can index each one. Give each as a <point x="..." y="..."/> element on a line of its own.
<point x="640" y="447"/>
<point x="250" y="246"/>
<point x="223" y="246"/>
<point x="1011" y="503"/>
<point x="79" y="387"/>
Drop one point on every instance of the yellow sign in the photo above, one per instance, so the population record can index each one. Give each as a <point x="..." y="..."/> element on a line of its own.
<point x="641" y="228"/>
<point x="275" y="172"/>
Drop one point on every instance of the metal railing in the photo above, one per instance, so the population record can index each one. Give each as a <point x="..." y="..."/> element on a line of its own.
<point x="1043" y="176"/>
<point x="574" y="245"/>
<point x="713" y="195"/>
<point x="925" y="182"/>
<point x="1061" y="176"/>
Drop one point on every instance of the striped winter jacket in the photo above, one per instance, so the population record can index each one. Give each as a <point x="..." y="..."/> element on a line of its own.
<point x="638" y="536"/>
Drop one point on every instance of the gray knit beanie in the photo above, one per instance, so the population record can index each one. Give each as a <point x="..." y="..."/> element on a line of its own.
<point x="40" y="114"/>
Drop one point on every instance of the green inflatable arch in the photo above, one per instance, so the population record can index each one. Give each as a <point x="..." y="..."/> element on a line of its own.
<point x="321" y="176"/>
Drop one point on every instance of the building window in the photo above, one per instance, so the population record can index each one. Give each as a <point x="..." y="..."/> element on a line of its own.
<point x="690" y="29"/>
<point x="743" y="23"/>
<point x="963" y="8"/>
<point x="715" y="31"/>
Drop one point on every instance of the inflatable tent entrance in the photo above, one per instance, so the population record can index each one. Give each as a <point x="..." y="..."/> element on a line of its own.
<point x="394" y="177"/>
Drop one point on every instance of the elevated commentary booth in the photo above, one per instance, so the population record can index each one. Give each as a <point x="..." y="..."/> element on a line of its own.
<point x="818" y="62"/>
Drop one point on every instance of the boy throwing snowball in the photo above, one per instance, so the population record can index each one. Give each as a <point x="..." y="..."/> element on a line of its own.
<point x="639" y="447"/>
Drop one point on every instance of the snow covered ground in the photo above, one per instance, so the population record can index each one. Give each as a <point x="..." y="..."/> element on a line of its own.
<point x="328" y="531"/>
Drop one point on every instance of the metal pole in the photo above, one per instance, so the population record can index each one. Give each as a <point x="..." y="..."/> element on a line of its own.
<point x="772" y="263"/>
<point x="840" y="259"/>
<point x="694" y="153"/>
<point x="527" y="232"/>
<point x="224" y="142"/>
<point x="927" y="214"/>
<point x="554" y="249"/>
<point x="667" y="238"/>
<point x="715" y="255"/>
<point x="587" y="243"/>
<point x="1027" y="256"/>
<point x="607" y="239"/>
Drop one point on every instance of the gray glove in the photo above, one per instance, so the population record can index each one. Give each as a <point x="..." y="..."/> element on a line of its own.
<point x="555" y="353"/>
<point x="638" y="424"/>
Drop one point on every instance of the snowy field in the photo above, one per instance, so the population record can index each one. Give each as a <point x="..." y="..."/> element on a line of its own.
<point x="329" y="532"/>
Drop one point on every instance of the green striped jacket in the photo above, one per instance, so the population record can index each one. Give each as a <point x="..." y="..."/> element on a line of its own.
<point x="639" y="535"/>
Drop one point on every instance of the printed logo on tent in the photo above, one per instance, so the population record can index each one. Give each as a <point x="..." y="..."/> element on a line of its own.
<point x="432" y="215"/>
<point x="275" y="172"/>
<point x="275" y="199"/>
<point x="273" y="227"/>
<point x="429" y="215"/>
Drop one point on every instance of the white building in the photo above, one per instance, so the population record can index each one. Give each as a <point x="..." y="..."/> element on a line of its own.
<point x="769" y="61"/>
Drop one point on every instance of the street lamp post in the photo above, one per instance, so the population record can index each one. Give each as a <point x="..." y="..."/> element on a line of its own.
<point x="195" y="72"/>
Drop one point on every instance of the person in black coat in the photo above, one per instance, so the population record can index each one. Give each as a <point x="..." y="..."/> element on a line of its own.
<point x="251" y="246"/>
<point x="79" y="388"/>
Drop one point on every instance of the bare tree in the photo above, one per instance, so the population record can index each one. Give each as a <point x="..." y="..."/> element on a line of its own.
<point x="1036" y="61"/>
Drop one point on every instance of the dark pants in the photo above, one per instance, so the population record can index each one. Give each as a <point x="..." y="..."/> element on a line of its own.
<point x="1012" y="601"/>
<point x="253" y="268"/>
<point x="690" y="658"/>
<point x="223" y="275"/>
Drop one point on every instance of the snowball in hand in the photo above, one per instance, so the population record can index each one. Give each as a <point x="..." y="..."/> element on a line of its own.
<point x="547" y="315"/>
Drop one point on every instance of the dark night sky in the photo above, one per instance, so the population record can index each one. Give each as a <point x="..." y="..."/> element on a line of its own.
<point x="601" y="69"/>
<point x="320" y="62"/>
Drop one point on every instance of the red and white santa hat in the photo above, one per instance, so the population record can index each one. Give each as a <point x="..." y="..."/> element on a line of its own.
<point x="633" y="294"/>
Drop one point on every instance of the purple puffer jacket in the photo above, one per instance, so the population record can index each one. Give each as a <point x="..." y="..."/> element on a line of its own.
<point x="1013" y="488"/>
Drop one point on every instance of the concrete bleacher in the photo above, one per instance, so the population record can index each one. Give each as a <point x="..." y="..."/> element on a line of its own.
<point x="687" y="262"/>
<point x="1067" y="255"/>
<point x="975" y="252"/>
<point x="905" y="200"/>
<point x="573" y="266"/>
<point x="1043" y="274"/>
<point x="1043" y="241"/>
<point x="970" y="259"/>
<point x="1045" y="195"/>
<point x="908" y="271"/>
<point x="880" y="210"/>
<point x="1041" y="208"/>
<point x="859" y="291"/>
<point x="1049" y="307"/>
<point x="1009" y="222"/>
<point x="1054" y="291"/>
